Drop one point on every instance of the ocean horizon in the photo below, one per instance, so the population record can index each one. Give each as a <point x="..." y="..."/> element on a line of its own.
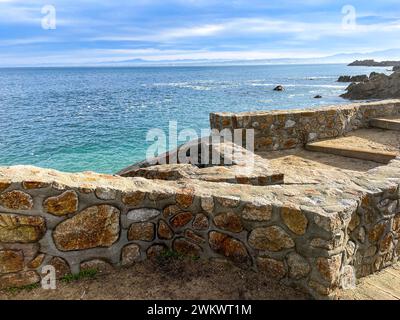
<point x="96" y="118"/>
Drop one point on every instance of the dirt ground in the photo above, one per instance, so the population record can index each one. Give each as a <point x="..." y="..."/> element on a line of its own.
<point x="177" y="280"/>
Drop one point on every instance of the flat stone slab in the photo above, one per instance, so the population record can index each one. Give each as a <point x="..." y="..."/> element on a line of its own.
<point x="384" y="285"/>
<point x="386" y="123"/>
<point x="376" y="145"/>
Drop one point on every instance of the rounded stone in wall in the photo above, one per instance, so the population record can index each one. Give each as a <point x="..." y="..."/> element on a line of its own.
<point x="271" y="238"/>
<point x="143" y="231"/>
<point x="186" y="248"/>
<point x="16" y="200"/>
<point x="130" y="254"/>
<point x="271" y="267"/>
<point x="101" y="266"/>
<point x="96" y="226"/>
<point x="64" y="204"/>
<point x="229" y="221"/>
<point x="61" y="266"/>
<point x="298" y="266"/>
<point x="229" y="247"/>
<point x="164" y="231"/>
<point x="155" y="250"/>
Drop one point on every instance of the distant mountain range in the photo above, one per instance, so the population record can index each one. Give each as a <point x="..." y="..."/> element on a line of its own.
<point x="391" y="54"/>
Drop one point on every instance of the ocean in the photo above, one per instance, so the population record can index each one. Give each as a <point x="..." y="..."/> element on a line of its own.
<point x="96" y="119"/>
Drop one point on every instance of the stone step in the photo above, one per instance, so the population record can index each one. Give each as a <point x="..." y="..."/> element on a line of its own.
<point x="386" y="123"/>
<point x="363" y="154"/>
<point x="372" y="144"/>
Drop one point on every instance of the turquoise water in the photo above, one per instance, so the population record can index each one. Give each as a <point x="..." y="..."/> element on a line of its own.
<point x="75" y="119"/>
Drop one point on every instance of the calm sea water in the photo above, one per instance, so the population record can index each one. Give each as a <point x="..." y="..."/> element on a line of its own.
<point x="75" y="119"/>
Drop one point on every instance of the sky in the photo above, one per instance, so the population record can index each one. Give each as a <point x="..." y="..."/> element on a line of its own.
<point x="68" y="32"/>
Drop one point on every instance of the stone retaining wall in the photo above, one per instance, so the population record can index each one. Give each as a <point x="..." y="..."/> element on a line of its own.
<point x="305" y="235"/>
<point x="278" y="130"/>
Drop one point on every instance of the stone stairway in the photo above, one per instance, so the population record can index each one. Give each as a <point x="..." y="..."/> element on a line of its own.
<point x="386" y="123"/>
<point x="375" y="144"/>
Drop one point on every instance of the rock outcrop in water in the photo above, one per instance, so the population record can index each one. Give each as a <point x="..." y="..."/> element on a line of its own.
<point x="373" y="63"/>
<point x="359" y="78"/>
<point x="279" y="88"/>
<point x="378" y="86"/>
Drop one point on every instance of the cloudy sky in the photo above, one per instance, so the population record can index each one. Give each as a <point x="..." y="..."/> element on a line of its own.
<point x="95" y="31"/>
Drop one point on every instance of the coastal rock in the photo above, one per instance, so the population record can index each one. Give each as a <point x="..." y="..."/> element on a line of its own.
<point x="359" y="78"/>
<point x="97" y="226"/>
<point x="318" y="96"/>
<point x="279" y="88"/>
<point x="378" y="86"/>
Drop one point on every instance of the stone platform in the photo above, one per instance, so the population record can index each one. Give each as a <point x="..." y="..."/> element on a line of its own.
<point x="325" y="220"/>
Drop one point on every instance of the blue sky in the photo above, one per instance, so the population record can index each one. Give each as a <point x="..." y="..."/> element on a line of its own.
<point x="98" y="31"/>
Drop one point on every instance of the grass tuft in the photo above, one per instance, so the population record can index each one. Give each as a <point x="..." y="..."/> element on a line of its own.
<point x="85" y="274"/>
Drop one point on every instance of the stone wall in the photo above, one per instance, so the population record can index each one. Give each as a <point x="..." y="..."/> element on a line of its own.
<point x="278" y="130"/>
<point x="304" y="235"/>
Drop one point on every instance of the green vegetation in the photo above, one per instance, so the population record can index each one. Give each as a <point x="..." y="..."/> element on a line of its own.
<point x="85" y="274"/>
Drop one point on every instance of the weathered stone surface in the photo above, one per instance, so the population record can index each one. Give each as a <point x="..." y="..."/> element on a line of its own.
<point x="101" y="266"/>
<point x="185" y="198"/>
<point x="142" y="231"/>
<point x="271" y="238"/>
<point x="97" y="226"/>
<point x="200" y="222"/>
<point x="229" y="247"/>
<point x="34" y="185"/>
<point x="143" y="214"/>
<point x="130" y="254"/>
<point x="377" y="231"/>
<point x="133" y="198"/>
<point x="61" y="266"/>
<point x="228" y="202"/>
<point x="36" y="262"/>
<point x="229" y="221"/>
<point x="16" y="200"/>
<point x="155" y="250"/>
<point x="4" y="185"/>
<point x="329" y="267"/>
<point x="65" y="203"/>
<point x="11" y="261"/>
<point x="396" y="225"/>
<point x="207" y="204"/>
<point x="295" y="220"/>
<point x="386" y="244"/>
<point x="354" y="222"/>
<point x="171" y="211"/>
<point x="20" y="279"/>
<point x="186" y="248"/>
<point x="271" y="267"/>
<point x="191" y="235"/>
<point x="164" y="231"/>
<point x="298" y="266"/>
<point x="181" y="219"/>
<point x="20" y="228"/>
<point x="106" y="194"/>
<point x="254" y="212"/>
